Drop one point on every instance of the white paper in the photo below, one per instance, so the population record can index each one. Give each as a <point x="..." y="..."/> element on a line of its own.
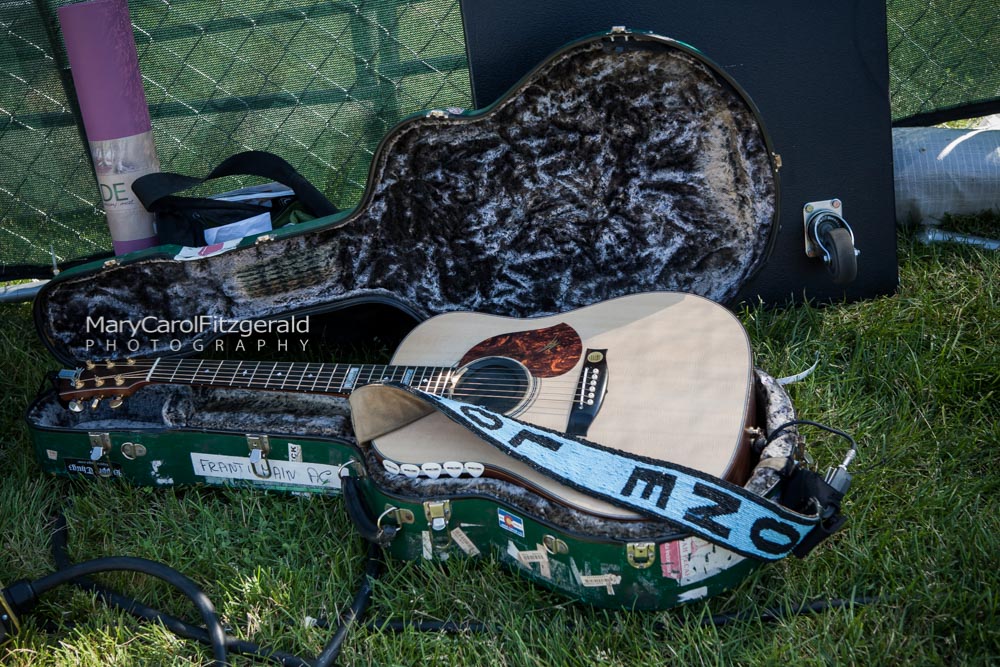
<point x="237" y="230"/>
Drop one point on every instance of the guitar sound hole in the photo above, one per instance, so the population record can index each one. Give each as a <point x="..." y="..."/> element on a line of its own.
<point x="495" y="383"/>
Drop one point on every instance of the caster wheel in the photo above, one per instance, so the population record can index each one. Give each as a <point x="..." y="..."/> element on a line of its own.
<point x="842" y="262"/>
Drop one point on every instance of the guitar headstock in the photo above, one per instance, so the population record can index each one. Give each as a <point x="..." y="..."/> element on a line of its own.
<point x="112" y="380"/>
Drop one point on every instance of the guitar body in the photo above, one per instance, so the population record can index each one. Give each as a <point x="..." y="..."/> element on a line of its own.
<point x="679" y="385"/>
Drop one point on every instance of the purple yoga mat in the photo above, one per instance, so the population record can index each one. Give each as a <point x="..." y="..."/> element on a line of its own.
<point x="105" y="67"/>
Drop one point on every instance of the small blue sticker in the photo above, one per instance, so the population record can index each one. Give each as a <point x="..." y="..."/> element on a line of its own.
<point x="508" y="521"/>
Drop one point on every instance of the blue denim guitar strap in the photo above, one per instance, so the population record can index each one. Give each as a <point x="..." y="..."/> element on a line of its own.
<point x="712" y="508"/>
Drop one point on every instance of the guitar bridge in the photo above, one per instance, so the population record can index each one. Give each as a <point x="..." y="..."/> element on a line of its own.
<point x="590" y="391"/>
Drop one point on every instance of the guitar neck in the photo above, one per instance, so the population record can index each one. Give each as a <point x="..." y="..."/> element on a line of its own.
<point x="304" y="377"/>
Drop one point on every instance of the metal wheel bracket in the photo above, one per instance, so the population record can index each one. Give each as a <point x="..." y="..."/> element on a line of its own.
<point x="822" y="222"/>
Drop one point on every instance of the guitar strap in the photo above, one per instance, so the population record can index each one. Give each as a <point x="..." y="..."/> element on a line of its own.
<point x="712" y="508"/>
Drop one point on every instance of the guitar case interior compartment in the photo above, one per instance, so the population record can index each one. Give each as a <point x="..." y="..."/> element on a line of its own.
<point x="625" y="162"/>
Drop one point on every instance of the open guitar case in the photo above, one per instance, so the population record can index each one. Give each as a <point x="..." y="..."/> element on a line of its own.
<point x="624" y="163"/>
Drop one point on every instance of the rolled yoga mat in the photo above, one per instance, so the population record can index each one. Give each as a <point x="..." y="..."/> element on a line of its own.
<point x="105" y="67"/>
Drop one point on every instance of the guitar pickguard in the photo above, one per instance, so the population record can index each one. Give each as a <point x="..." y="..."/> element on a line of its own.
<point x="547" y="352"/>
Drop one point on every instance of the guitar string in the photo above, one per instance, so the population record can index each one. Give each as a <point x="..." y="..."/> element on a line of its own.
<point x="560" y="399"/>
<point x="303" y="375"/>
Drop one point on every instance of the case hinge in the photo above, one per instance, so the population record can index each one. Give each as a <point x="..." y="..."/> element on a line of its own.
<point x="640" y="555"/>
<point x="401" y="516"/>
<point x="554" y="545"/>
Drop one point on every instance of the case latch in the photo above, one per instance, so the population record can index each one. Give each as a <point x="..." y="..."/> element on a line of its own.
<point x="640" y="555"/>
<point x="100" y="444"/>
<point x="438" y="513"/>
<point x="260" y="447"/>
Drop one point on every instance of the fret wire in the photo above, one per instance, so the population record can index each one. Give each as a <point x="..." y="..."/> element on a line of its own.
<point x="332" y="372"/>
<point x="347" y="374"/>
<point x="318" y="372"/>
<point x="217" y="369"/>
<point x="232" y="380"/>
<point x="273" y="366"/>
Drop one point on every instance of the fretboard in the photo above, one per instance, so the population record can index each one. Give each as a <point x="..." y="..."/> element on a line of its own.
<point x="306" y="377"/>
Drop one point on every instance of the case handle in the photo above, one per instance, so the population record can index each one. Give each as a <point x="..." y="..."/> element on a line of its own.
<point x="369" y="528"/>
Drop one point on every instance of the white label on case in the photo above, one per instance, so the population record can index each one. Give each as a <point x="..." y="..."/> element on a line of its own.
<point x="464" y="543"/>
<point x="219" y="468"/>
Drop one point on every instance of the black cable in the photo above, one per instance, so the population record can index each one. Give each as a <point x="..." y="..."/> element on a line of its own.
<point x="31" y="591"/>
<point x="805" y="422"/>
<point x="775" y="614"/>
<point x="362" y="599"/>
<point x="373" y="569"/>
<point x="60" y="554"/>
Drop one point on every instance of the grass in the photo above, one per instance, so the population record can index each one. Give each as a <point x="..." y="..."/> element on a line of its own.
<point x="914" y="376"/>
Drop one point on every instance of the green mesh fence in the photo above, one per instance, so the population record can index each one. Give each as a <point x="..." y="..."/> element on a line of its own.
<point x="944" y="59"/>
<point x="315" y="81"/>
<point x="319" y="82"/>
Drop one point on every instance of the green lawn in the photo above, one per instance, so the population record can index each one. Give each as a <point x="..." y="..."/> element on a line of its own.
<point x="915" y="377"/>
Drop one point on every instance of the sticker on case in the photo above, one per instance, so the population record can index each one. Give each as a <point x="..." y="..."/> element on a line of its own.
<point x="608" y="580"/>
<point x="691" y="560"/>
<point x="510" y="522"/>
<point x="537" y="556"/>
<point x="464" y="543"/>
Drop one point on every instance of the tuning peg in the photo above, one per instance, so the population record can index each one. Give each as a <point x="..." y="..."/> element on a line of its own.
<point x="89" y="364"/>
<point x="75" y="406"/>
<point x="116" y="402"/>
<point x="119" y="380"/>
<point x="110" y="364"/>
<point x="94" y="403"/>
<point x="98" y="382"/>
<point x="130" y="361"/>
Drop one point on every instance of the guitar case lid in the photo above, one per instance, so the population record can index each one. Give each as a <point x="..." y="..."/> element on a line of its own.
<point x="625" y="162"/>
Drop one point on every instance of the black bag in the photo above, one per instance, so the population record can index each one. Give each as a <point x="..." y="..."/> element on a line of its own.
<point x="183" y="220"/>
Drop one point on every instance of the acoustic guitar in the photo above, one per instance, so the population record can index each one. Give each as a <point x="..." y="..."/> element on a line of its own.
<point x="663" y="375"/>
